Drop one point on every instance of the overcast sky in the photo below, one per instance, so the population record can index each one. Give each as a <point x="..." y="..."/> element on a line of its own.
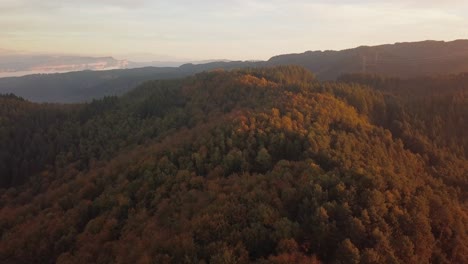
<point x="218" y="29"/>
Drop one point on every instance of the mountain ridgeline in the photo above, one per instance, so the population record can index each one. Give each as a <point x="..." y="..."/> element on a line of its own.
<point x="261" y="165"/>
<point x="401" y="60"/>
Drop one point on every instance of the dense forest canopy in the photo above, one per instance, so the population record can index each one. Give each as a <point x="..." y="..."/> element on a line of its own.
<point x="264" y="165"/>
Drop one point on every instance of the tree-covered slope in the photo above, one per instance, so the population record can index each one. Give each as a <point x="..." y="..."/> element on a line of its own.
<point x="265" y="166"/>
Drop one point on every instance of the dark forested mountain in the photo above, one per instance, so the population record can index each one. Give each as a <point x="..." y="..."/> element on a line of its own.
<point x="402" y="60"/>
<point x="265" y="165"/>
<point x="399" y="60"/>
<point x="84" y="86"/>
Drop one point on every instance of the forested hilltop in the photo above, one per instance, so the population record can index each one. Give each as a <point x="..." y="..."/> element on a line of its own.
<point x="265" y="165"/>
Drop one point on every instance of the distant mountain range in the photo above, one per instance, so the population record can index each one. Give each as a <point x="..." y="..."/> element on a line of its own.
<point x="134" y="64"/>
<point x="82" y="86"/>
<point x="398" y="60"/>
<point x="16" y="64"/>
<point x="402" y="60"/>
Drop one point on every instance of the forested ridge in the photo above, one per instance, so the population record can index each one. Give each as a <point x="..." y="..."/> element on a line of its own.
<point x="265" y="165"/>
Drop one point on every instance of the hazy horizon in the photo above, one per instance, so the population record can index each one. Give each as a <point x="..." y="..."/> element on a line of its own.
<point x="234" y="30"/>
<point x="150" y="57"/>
